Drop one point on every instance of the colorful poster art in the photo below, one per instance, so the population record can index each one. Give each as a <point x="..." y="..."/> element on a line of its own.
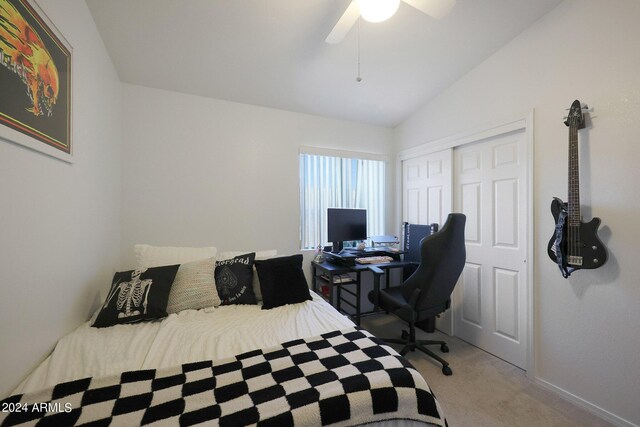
<point x="35" y="80"/>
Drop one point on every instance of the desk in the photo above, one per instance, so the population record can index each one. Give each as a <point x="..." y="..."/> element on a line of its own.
<point x="326" y="272"/>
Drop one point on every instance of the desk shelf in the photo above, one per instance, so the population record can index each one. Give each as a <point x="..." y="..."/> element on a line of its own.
<point x="325" y="291"/>
<point x="326" y="279"/>
<point x="323" y="275"/>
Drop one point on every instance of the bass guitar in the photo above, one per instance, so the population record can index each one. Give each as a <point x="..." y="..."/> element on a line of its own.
<point x="575" y="244"/>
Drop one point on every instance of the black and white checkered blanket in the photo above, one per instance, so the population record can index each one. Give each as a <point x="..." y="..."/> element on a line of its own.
<point x="340" y="378"/>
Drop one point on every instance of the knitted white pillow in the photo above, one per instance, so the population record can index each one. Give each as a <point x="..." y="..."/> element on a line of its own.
<point x="194" y="287"/>
<point x="156" y="256"/>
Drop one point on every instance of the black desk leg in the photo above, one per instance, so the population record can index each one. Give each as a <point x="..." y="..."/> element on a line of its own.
<point x="338" y="292"/>
<point x="314" y="284"/>
<point x="358" y="292"/>
<point x="331" y="292"/>
<point x="377" y="272"/>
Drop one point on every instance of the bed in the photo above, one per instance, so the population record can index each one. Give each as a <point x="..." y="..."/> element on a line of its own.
<point x="295" y="364"/>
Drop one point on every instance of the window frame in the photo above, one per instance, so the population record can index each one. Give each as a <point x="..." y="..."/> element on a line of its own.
<point x="344" y="154"/>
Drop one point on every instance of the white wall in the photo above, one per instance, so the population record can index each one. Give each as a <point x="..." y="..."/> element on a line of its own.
<point x="587" y="339"/>
<point x="59" y="222"/>
<point x="199" y="171"/>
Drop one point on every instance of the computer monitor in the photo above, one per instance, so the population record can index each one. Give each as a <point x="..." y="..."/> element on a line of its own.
<point x="345" y="225"/>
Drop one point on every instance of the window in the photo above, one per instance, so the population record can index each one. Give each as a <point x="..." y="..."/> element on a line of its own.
<point x="338" y="182"/>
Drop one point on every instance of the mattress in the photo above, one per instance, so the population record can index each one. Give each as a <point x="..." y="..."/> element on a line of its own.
<point x="185" y="337"/>
<point x="188" y="336"/>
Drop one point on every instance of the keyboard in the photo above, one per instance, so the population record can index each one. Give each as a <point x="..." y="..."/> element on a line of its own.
<point x="374" y="260"/>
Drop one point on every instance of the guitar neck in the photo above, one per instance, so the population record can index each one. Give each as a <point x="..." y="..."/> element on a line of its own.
<point x="574" y="179"/>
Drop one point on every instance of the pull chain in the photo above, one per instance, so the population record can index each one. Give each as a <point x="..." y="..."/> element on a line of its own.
<point x="358" y="77"/>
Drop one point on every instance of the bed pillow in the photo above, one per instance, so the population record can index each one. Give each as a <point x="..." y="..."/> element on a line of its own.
<point x="194" y="287"/>
<point x="155" y="256"/>
<point x="259" y="255"/>
<point x="282" y="281"/>
<point x="234" y="280"/>
<point x="137" y="295"/>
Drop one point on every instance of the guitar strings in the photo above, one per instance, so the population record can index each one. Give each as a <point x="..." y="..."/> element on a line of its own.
<point x="574" y="201"/>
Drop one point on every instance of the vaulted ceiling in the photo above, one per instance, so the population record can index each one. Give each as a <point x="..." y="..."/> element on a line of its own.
<point x="272" y="52"/>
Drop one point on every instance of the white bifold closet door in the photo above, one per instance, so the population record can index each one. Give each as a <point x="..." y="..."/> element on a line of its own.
<point x="487" y="181"/>
<point x="426" y="191"/>
<point x="491" y="298"/>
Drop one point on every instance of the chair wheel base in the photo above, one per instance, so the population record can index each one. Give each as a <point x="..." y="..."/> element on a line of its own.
<point x="411" y="344"/>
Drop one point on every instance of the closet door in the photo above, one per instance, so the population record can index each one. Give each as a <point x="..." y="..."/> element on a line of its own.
<point x="426" y="183"/>
<point x="426" y="199"/>
<point x="491" y="299"/>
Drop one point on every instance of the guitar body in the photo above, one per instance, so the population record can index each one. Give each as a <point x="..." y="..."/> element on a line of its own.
<point x="587" y="252"/>
<point x="575" y="244"/>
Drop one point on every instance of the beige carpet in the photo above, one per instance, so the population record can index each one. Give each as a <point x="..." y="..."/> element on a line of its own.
<point x="484" y="390"/>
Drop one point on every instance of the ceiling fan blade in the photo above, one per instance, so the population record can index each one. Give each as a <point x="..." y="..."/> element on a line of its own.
<point x="435" y="8"/>
<point x="346" y="21"/>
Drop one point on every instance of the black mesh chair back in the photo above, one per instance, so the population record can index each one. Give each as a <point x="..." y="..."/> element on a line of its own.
<point x="412" y="235"/>
<point x="442" y="258"/>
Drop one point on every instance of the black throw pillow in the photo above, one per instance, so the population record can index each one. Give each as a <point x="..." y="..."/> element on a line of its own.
<point x="234" y="280"/>
<point x="282" y="281"/>
<point x="137" y="295"/>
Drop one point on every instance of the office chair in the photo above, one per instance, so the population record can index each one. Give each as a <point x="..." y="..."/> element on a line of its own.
<point x="427" y="292"/>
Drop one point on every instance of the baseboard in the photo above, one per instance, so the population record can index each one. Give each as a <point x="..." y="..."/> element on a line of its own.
<point x="596" y="410"/>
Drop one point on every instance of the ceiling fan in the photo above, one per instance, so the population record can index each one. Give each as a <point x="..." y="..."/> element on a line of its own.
<point x="380" y="10"/>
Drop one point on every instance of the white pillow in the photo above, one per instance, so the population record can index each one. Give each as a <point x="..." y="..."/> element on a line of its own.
<point x="270" y="253"/>
<point x="259" y="255"/>
<point x="194" y="287"/>
<point x="156" y="256"/>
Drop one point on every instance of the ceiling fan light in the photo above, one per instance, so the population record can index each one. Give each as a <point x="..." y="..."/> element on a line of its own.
<point x="377" y="10"/>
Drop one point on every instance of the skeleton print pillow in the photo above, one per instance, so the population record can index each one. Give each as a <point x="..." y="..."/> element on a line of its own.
<point x="234" y="280"/>
<point x="137" y="295"/>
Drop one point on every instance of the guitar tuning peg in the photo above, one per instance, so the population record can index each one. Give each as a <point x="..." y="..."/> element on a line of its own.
<point x="585" y="108"/>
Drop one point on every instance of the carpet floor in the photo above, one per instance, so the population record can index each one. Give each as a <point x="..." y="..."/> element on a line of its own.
<point x="484" y="390"/>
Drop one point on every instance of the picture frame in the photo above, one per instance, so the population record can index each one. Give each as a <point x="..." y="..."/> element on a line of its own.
<point x="36" y="85"/>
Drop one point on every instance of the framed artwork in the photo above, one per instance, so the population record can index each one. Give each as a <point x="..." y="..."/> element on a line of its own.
<point x="35" y="80"/>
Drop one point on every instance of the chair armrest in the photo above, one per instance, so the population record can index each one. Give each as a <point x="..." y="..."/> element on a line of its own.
<point x="376" y="271"/>
<point x="413" y="301"/>
<point x="409" y="309"/>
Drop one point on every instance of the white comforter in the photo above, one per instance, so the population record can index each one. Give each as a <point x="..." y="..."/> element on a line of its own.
<point x="188" y="336"/>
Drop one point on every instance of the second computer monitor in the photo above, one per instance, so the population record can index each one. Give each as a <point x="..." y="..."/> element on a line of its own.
<point x="346" y="225"/>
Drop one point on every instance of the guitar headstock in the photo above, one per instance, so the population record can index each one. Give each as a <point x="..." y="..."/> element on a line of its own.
<point x="575" y="117"/>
